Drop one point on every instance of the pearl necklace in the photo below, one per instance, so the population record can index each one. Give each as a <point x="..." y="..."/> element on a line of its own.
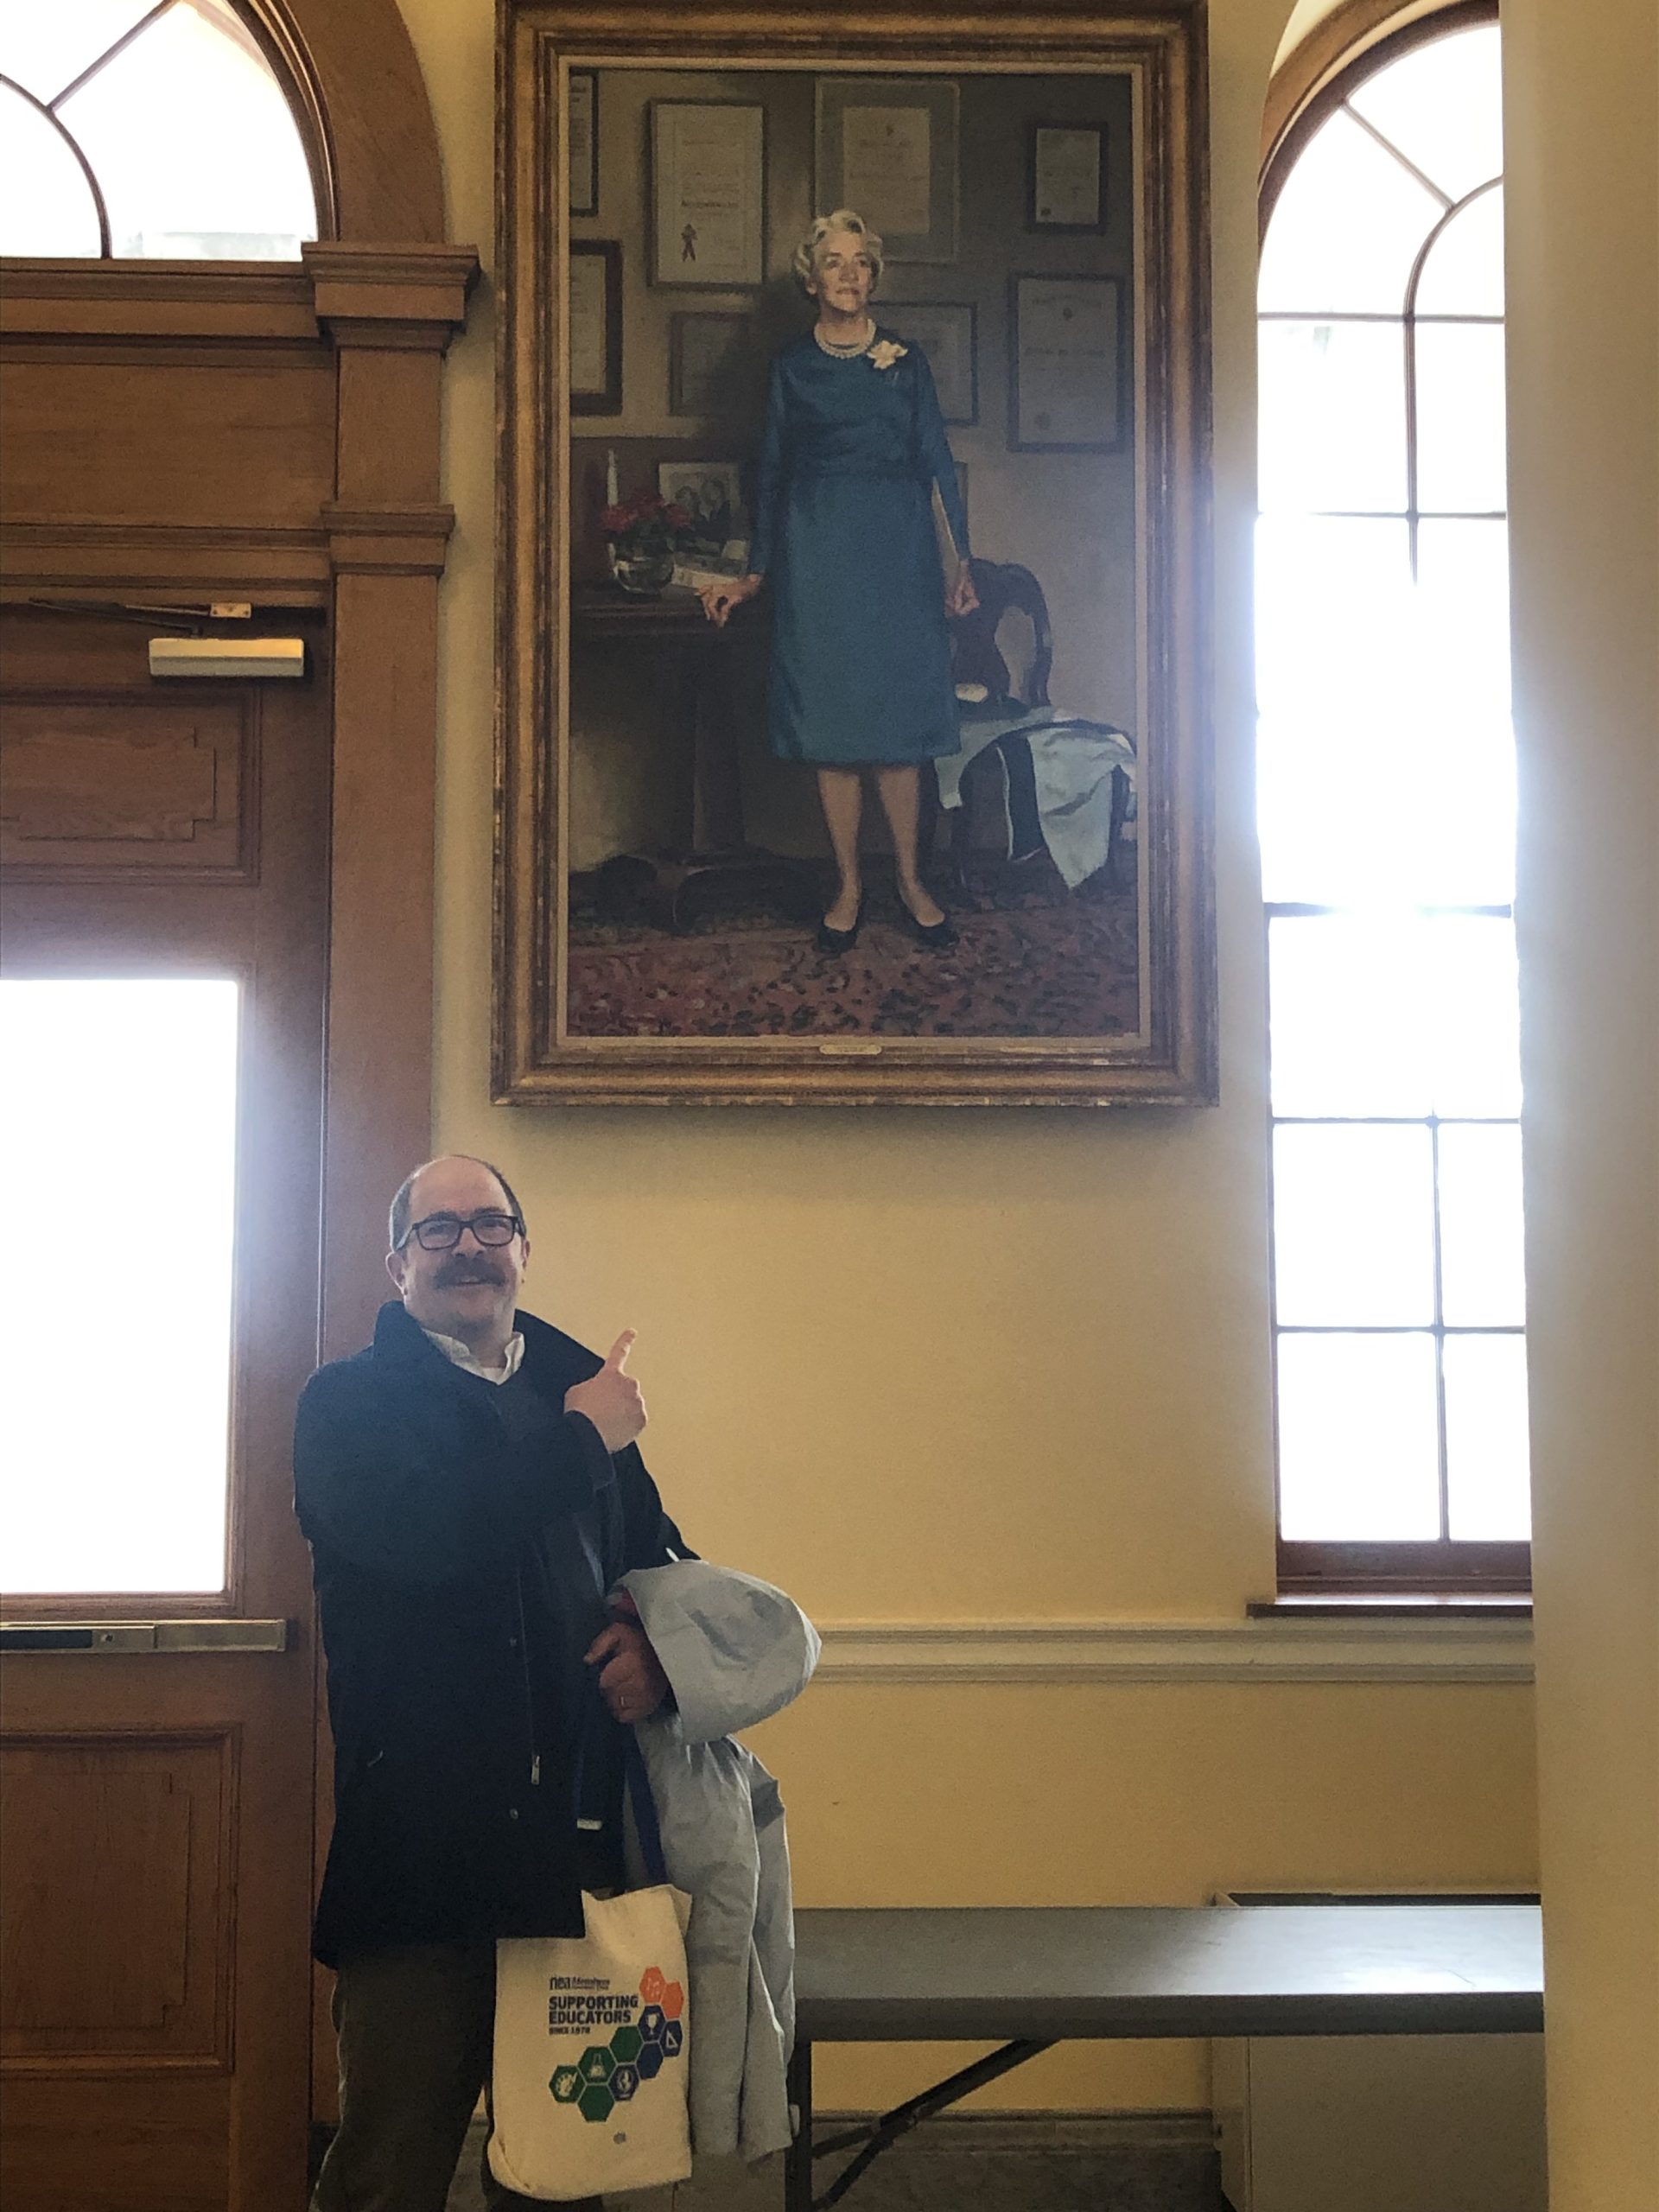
<point x="843" y="352"/>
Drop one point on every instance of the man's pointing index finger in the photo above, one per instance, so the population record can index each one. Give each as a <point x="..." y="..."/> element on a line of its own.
<point x="616" y="1357"/>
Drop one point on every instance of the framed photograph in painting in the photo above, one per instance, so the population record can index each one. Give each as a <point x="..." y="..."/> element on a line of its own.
<point x="593" y="320"/>
<point x="887" y="147"/>
<point x="708" y="194"/>
<point x="947" y="333"/>
<point x="582" y="141"/>
<point x="704" y="351"/>
<point x="1066" y="392"/>
<point x="1066" y="177"/>
<point x="711" y="494"/>
<point x="664" y="862"/>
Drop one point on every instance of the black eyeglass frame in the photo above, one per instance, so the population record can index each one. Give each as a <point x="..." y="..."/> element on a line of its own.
<point x="463" y="1221"/>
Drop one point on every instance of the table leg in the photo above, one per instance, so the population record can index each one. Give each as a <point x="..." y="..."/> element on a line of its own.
<point x="798" y="2160"/>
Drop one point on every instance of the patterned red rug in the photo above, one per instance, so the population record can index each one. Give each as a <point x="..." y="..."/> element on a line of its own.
<point x="1033" y="960"/>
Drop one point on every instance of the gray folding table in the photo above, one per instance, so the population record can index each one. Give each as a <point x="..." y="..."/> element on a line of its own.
<point x="1031" y="1976"/>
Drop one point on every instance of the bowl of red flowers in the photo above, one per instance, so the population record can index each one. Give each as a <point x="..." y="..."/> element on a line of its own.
<point x="643" y="535"/>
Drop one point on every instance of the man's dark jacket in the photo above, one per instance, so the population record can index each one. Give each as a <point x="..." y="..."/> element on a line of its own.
<point x="463" y="1534"/>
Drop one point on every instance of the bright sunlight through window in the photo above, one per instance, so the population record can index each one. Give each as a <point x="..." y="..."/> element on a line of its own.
<point x="119" y="1099"/>
<point x="146" y="131"/>
<point x="1386" y="793"/>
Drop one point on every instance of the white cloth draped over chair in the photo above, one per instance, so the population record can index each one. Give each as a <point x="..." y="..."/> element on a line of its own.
<point x="1082" y="768"/>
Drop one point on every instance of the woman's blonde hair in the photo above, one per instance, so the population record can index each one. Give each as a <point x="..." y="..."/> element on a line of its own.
<point x="805" y="261"/>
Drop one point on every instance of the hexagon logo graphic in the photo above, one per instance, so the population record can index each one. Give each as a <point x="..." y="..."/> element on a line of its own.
<point x="595" y="2103"/>
<point x="651" y="1988"/>
<point x="673" y="2000"/>
<point x="652" y="2021"/>
<point x="624" y="2083"/>
<point x="673" y="2038"/>
<point x="596" y="2064"/>
<point x="565" y="2084"/>
<point x="625" y="2045"/>
<point x="649" y="2064"/>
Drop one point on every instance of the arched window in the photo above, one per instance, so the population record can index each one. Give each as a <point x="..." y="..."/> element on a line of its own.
<point x="141" y="131"/>
<point x="1385" y="782"/>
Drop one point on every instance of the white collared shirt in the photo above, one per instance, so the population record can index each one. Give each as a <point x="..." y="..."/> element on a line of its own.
<point x="458" y="1354"/>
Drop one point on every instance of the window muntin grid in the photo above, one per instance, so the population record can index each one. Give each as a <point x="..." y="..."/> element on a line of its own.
<point x="139" y="131"/>
<point x="1386" y="798"/>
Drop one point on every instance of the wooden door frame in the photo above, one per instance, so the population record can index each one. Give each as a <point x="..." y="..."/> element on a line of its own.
<point x="377" y="300"/>
<point x="384" y="295"/>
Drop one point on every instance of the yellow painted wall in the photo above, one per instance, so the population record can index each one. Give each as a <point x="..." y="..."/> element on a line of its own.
<point x="974" y="1366"/>
<point x="1582" y="99"/>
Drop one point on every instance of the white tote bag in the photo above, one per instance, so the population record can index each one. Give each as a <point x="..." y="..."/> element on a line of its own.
<point x="593" y="2039"/>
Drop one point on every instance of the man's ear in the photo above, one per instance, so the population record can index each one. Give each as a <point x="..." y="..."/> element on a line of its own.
<point x="394" y="1269"/>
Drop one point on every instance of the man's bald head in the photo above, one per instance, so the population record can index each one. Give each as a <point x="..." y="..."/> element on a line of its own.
<point x="403" y="1206"/>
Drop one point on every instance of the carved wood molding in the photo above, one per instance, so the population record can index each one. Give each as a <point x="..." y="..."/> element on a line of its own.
<point x="388" y="541"/>
<point x="368" y="109"/>
<point x="121" y="1848"/>
<point x="273" y="565"/>
<point x="406" y="298"/>
<point x="111" y="786"/>
<point x="126" y="302"/>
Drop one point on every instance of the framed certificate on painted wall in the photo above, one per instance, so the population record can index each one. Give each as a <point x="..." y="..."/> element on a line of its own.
<point x="887" y="147"/>
<point x="708" y="187"/>
<point x="582" y="141"/>
<point x="1066" y="177"/>
<point x="594" y="327"/>
<point x="947" y="332"/>
<point x="1066" y="396"/>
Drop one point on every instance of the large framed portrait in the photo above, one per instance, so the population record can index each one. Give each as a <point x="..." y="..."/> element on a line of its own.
<point x="813" y="788"/>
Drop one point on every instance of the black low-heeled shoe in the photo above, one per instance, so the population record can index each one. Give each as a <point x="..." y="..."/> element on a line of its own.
<point x="830" y="940"/>
<point x="937" y="937"/>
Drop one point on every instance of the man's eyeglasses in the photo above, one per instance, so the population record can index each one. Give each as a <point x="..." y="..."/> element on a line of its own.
<point x="441" y="1232"/>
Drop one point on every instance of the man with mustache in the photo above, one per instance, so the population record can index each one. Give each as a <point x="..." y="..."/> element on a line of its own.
<point x="471" y="1489"/>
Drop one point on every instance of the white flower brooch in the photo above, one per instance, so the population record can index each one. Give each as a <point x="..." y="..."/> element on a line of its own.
<point x="886" y="352"/>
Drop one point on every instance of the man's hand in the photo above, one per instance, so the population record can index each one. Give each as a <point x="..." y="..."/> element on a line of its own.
<point x="611" y="1399"/>
<point x="631" y="1681"/>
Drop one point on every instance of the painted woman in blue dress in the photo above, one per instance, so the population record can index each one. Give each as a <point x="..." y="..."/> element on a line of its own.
<point x="852" y="447"/>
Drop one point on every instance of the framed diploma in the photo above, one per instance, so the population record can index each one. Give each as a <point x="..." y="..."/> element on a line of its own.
<point x="1066" y="173"/>
<point x="887" y="147"/>
<point x="947" y="332"/>
<point x="708" y="174"/>
<point x="582" y="141"/>
<point x="594" y="327"/>
<point x="1066" y="393"/>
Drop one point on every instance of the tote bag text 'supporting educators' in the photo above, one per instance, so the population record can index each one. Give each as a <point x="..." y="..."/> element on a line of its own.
<point x="591" y="2051"/>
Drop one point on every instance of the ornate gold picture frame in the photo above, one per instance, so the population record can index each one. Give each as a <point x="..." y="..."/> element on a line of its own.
<point x="663" y="872"/>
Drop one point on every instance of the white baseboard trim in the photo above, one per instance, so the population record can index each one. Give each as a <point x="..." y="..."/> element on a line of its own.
<point x="1269" y="1650"/>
